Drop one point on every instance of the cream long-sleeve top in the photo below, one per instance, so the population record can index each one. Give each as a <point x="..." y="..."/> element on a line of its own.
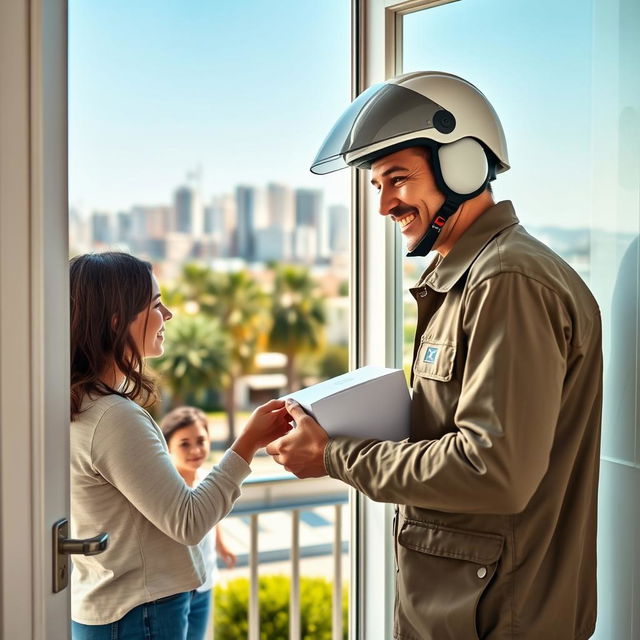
<point x="123" y="482"/>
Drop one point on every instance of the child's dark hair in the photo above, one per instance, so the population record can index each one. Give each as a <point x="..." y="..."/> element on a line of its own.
<point x="108" y="290"/>
<point x="180" y="418"/>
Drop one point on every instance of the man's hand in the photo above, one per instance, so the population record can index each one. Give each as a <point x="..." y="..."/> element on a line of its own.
<point x="301" y="451"/>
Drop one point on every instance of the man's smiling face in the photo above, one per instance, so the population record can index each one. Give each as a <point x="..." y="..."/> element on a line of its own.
<point x="407" y="191"/>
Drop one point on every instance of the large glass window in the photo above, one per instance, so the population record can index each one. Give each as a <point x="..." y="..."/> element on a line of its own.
<point x="563" y="78"/>
<point x="192" y="126"/>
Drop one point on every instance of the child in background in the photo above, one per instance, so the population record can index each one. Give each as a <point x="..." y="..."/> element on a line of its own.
<point x="186" y="431"/>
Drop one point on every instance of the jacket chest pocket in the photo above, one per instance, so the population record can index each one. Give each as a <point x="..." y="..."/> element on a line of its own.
<point x="443" y="573"/>
<point x="435" y="359"/>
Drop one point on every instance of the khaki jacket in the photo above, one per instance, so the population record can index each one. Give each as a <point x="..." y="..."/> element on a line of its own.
<point x="497" y="485"/>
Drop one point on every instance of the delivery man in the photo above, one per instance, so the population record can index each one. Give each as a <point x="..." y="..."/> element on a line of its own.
<point x="496" y="487"/>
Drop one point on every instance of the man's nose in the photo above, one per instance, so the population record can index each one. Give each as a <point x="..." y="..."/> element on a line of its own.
<point x="387" y="202"/>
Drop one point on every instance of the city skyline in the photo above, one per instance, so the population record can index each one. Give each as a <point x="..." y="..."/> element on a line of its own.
<point x="253" y="224"/>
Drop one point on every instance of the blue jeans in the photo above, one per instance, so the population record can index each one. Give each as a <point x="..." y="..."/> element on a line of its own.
<point x="199" y="615"/>
<point x="164" y="619"/>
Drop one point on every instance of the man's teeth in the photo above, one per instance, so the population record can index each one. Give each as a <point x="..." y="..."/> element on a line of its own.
<point x="405" y="221"/>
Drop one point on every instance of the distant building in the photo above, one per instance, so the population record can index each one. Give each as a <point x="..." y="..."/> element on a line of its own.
<point x="150" y="226"/>
<point x="101" y="228"/>
<point x="188" y="211"/>
<point x="272" y="245"/>
<point x="309" y="217"/>
<point x="124" y="227"/>
<point x="220" y="223"/>
<point x="280" y="207"/>
<point x="306" y="244"/>
<point x="280" y="224"/>
<point x="308" y="207"/>
<point x="150" y="221"/>
<point x="247" y="211"/>
<point x="269" y="381"/>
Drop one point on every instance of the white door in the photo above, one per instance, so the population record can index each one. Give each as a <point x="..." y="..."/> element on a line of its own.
<point x="34" y="414"/>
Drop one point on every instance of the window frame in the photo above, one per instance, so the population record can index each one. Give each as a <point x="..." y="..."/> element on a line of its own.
<point x="377" y="312"/>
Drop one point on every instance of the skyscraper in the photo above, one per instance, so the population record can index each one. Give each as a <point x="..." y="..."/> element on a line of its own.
<point x="188" y="211"/>
<point x="219" y="223"/>
<point x="274" y="242"/>
<point x="280" y="207"/>
<point x="308" y="207"/>
<point x="150" y="221"/>
<point x="124" y="227"/>
<point x="246" y="208"/>
<point x="310" y="229"/>
<point x="101" y="228"/>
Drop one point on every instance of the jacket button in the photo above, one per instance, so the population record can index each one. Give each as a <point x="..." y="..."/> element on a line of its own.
<point x="481" y="572"/>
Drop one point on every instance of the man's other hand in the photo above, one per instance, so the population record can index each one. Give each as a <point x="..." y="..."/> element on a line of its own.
<point x="301" y="451"/>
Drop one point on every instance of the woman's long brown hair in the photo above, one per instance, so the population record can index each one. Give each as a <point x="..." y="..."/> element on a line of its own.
<point x="108" y="290"/>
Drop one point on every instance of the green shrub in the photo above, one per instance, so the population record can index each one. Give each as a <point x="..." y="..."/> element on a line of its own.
<point x="231" y="609"/>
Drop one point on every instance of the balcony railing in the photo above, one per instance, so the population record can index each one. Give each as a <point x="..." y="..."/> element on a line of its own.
<point x="288" y="493"/>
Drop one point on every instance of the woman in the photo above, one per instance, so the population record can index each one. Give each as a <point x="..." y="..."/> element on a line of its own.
<point x="122" y="478"/>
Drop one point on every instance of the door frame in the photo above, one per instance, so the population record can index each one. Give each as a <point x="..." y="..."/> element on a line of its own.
<point x="34" y="345"/>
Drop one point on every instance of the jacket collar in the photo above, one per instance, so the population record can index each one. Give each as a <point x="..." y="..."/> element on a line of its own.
<point x="445" y="272"/>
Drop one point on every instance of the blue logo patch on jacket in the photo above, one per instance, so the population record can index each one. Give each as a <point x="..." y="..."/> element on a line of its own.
<point x="431" y="355"/>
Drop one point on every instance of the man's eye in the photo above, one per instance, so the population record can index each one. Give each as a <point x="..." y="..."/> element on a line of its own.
<point x="397" y="179"/>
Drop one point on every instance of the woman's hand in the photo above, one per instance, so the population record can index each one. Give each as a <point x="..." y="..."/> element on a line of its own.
<point x="301" y="451"/>
<point x="267" y="422"/>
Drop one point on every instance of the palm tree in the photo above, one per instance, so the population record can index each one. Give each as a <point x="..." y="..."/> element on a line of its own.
<point x="237" y="301"/>
<point x="298" y="316"/>
<point x="195" y="358"/>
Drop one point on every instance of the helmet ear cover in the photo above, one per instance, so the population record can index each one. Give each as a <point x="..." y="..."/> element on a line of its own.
<point x="462" y="169"/>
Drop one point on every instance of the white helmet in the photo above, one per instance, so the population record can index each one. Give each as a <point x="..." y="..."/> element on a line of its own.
<point x="425" y="108"/>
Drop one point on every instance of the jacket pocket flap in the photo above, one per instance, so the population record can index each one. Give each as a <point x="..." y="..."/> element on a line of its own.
<point x="481" y="548"/>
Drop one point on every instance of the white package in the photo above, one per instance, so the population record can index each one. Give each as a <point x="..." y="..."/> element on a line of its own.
<point x="370" y="402"/>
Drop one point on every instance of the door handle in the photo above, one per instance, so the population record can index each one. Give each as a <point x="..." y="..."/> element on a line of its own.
<point x="63" y="546"/>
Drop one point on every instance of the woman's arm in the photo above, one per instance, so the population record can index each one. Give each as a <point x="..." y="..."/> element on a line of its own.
<point x="129" y="451"/>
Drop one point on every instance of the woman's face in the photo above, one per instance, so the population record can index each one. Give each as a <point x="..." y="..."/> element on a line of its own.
<point x="189" y="447"/>
<point x="150" y="342"/>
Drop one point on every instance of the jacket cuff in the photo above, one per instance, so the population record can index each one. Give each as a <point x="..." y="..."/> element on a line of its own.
<point x="335" y="455"/>
<point x="328" y="463"/>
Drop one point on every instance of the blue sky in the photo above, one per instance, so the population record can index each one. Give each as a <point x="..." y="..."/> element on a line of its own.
<point x="246" y="89"/>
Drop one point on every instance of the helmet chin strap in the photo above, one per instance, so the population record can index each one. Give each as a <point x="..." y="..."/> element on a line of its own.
<point x="425" y="245"/>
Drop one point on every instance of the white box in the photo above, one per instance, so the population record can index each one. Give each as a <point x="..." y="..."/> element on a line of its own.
<point x="370" y="402"/>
